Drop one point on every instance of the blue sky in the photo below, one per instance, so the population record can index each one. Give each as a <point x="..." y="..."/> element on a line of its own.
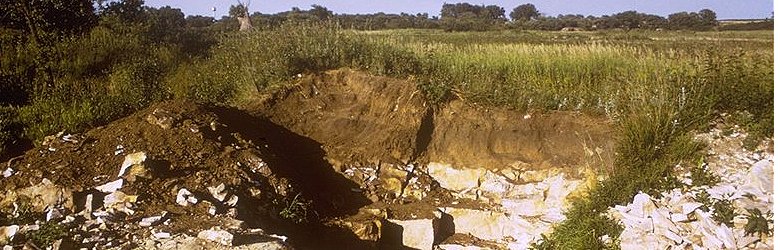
<point x="726" y="9"/>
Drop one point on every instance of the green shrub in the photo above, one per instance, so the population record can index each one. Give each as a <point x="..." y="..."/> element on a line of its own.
<point x="47" y="234"/>
<point x="742" y="82"/>
<point x="758" y="223"/>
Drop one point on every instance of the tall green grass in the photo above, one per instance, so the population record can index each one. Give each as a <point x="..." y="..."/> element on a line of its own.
<point x="244" y="64"/>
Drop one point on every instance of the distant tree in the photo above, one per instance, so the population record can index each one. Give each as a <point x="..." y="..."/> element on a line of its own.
<point x="708" y="17"/>
<point x="199" y="21"/>
<point x="165" y="24"/>
<point x="47" y="17"/>
<point x="703" y="20"/>
<point x="320" y="12"/>
<point x="628" y="20"/>
<point x="524" y="12"/>
<point x="126" y="11"/>
<point x="464" y="17"/>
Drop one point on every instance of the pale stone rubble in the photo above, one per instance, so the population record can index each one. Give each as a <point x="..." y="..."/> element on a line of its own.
<point x="520" y="213"/>
<point x="101" y="226"/>
<point x="677" y="221"/>
<point x="522" y="205"/>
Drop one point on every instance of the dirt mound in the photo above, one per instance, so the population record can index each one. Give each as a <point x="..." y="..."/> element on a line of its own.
<point x="176" y="146"/>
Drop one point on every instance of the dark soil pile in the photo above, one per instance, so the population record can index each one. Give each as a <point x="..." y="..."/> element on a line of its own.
<point x="281" y="180"/>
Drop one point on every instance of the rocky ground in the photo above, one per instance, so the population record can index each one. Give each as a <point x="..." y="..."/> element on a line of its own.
<point x="345" y="160"/>
<point x="731" y="210"/>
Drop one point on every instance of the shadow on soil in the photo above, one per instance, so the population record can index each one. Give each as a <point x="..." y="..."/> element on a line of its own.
<point x="301" y="160"/>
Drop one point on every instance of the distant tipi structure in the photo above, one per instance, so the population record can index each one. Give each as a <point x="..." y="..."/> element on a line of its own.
<point x="243" y="18"/>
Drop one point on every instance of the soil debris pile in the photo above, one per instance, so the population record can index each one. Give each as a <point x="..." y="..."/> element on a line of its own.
<point x="418" y="164"/>
<point x="174" y="175"/>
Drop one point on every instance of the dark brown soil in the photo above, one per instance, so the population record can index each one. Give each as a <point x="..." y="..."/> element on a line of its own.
<point x="363" y="118"/>
<point x="190" y="154"/>
<point x="357" y="117"/>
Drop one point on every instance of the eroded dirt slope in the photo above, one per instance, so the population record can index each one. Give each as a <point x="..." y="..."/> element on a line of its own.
<point x="364" y="118"/>
<point x="271" y="181"/>
<point x="357" y="117"/>
<point x="493" y="138"/>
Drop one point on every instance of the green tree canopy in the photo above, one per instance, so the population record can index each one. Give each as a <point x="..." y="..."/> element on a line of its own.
<point x="524" y="12"/>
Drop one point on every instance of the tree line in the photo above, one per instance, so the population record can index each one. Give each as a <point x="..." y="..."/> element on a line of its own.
<point x="471" y="17"/>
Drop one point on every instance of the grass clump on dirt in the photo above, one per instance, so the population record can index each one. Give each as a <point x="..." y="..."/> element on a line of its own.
<point x="47" y="234"/>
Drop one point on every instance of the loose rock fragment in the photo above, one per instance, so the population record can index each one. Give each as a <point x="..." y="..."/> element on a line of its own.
<point x="119" y="150"/>
<point x="130" y="160"/>
<point x="455" y="179"/>
<point x="53" y="213"/>
<point x="111" y="186"/>
<point x="217" y="235"/>
<point x="184" y="196"/>
<point x="218" y="191"/>
<point x="118" y="200"/>
<point x="8" y="172"/>
<point x="417" y="234"/>
<point x="485" y="225"/>
<point x="232" y="201"/>
<point x="161" y="118"/>
<point x="162" y="235"/>
<point x="149" y="221"/>
<point x="7" y="233"/>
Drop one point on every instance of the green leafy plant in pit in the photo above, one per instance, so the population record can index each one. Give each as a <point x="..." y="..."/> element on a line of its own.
<point x="723" y="212"/>
<point x="23" y="213"/>
<point x="296" y="210"/>
<point x="703" y="198"/>
<point x="701" y="176"/>
<point x="758" y="223"/>
<point x="47" y="234"/>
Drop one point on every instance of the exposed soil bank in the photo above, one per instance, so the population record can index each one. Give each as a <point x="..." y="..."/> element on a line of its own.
<point x="363" y="118"/>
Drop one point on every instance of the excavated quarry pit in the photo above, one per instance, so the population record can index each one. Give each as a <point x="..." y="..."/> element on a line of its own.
<point x="363" y="118"/>
<point x="369" y="161"/>
<point x="410" y="159"/>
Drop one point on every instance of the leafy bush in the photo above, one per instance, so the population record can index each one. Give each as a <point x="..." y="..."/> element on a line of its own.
<point x="758" y="223"/>
<point x="47" y="234"/>
<point x="739" y="83"/>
